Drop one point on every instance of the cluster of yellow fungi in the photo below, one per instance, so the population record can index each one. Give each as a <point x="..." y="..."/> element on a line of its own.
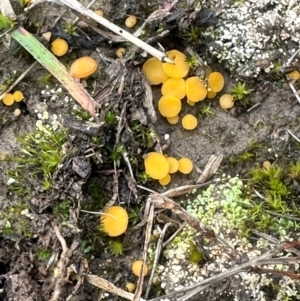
<point x="82" y="67"/>
<point x="175" y="86"/>
<point x="10" y="98"/>
<point x="160" y="168"/>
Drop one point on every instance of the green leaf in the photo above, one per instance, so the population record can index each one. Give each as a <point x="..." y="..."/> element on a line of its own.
<point x="5" y="23"/>
<point x="50" y="62"/>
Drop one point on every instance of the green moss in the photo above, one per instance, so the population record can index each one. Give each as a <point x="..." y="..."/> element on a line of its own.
<point x="195" y="255"/>
<point x="41" y="153"/>
<point x="192" y="61"/>
<point x="240" y="92"/>
<point x="270" y="179"/>
<point x="116" y="247"/>
<point x="43" y="253"/>
<point x="294" y="170"/>
<point x="62" y="210"/>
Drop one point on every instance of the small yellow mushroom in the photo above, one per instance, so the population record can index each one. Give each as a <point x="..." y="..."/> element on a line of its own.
<point x="156" y="165"/>
<point x="175" y="87"/>
<point x="173" y="120"/>
<point x="190" y="103"/>
<point x="173" y="162"/>
<point x="216" y="81"/>
<point x="130" y="21"/>
<point x="266" y="164"/>
<point x="165" y="181"/>
<point x="226" y="101"/>
<point x="211" y="94"/>
<point x="294" y="75"/>
<point x="114" y="221"/>
<point x="83" y="67"/>
<point x="137" y="267"/>
<point x="17" y="112"/>
<point x="8" y="99"/>
<point x="189" y="122"/>
<point x="185" y="165"/>
<point x="180" y="68"/>
<point x="99" y="12"/>
<point x="120" y="52"/>
<point x="130" y="287"/>
<point x="169" y="106"/>
<point x="153" y="71"/>
<point x="195" y="89"/>
<point x="18" y="96"/>
<point x="59" y="47"/>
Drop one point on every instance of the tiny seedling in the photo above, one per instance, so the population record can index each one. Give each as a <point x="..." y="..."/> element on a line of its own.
<point x="240" y="91"/>
<point x="193" y="34"/>
<point x="71" y="29"/>
<point x="205" y="111"/>
<point x="294" y="170"/>
<point x="111" y="118"/>
<point x="62" y="210"/>
<point x="192" y="61"/>
<point x="116" y="247"/>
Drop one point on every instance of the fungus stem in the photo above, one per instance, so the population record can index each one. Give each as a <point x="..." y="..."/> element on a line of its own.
<point x="87" y="13"/>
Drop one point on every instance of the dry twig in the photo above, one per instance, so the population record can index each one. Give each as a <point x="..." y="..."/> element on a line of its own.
<point x="87" y="13"/>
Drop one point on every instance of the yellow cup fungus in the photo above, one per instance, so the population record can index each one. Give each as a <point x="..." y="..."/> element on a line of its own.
<point x="120" y="52"/>
<point x="18" y="96"/>
<point x="17" y="112"/>
<point x="173" y="120"/>
<point x="195" y="89"/>
<point x="156" y="165"/>
<point x="137" y="267"/>
<point x="266" y="164"/>
<point x="189" y="122"/>
<point x="130" y="21"/>
<point x="180" y="68"/>
<point x="8" y="99"/>
<point x="130" y="286"/>
<point x="190" y="103"/>
<point x="99" y="12"/>
<point x="185" y="165"/>
<point x="294" y="75"/>
<point x="226" y="101"/>
<point x="173" y="165"/>
<point x="211" y="94"/>
<point x="216" y="81"/>
<point x="153" y="71"/>
<point x="114" y="221"/>
<point x="169" y="106"/>
<point x="59" y="47"/>
<point x="83" y="67"/>
<point x="165" y="181"/>
<point x="175" y="87"/>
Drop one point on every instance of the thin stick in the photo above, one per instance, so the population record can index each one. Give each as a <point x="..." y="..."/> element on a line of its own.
<point x="87" y="13"/>
<point x="157" y="254"/>
<point x="19" y="79"/>
<point x="109" y="287"/>
<point x="139" y="288"/>
<point x="293" y="135"/>
<point x="294" y="91"/>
